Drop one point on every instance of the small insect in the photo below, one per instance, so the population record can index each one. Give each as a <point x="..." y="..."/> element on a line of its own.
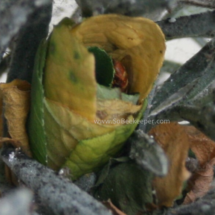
<point x="121" y="76"/>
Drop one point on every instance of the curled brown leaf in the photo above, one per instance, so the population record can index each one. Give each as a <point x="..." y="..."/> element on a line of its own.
<point x="204" y="148"/>
<point x="174" y="141"/>
<point x="16" y="104"/>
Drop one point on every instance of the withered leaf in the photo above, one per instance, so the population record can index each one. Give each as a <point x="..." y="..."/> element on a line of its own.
<point x="176" y="140"/>
<point x="175" y="144"/>
<point x="204" y="148"/>
<point x="66" y="73"/>
<point x="201" y="145"/>
<point x="200" y="182"/>
<point x="16" y="101"/>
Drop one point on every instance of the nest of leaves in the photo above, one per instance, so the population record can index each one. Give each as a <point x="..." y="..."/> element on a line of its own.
<point x="161" y="168"/>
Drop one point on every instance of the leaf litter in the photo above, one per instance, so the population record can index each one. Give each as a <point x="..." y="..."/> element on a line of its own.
<point x="176" y="140"/>
<point x="15" y="97"/>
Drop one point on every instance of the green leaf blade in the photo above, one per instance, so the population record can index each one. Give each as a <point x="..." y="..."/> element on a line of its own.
<point x="90" y="154"/>
<point x="36" y="129"/>
<point x="104" y="74"/>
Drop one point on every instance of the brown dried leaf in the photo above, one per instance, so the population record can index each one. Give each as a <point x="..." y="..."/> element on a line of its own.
<point x="203" y="147"/>
<point x="16" y="102"/>
<point x="200" y="182"/>
<point x="175" y="143"/>
<point x="113" y="208"/>
<point x="176" y="140"/>
<point x="7" y="140"/>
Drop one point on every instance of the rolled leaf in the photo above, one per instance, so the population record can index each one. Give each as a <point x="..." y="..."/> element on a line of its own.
<point x="137" y="42"/>
<point x="82" y="124"/>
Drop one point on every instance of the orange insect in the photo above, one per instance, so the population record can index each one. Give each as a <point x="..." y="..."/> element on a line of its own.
<point x="121" y="77"/>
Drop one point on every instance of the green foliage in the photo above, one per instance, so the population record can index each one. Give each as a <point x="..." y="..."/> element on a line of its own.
<point x="104" y="66"/>
<point x="36" y="118"/>
<point x="127" y="186"/>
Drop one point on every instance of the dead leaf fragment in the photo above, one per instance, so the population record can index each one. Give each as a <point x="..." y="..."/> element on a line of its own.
<point x="175" y="144"/>
<point x="16" y="102"/>
<point x="176" y="140"/>
<point x="203" y="147"/>
<point x="200" y="182"/>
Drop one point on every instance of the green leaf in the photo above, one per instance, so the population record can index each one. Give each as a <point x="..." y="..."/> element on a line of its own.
<point x="61" y="135"/>
<point x="106" y="93"/>
<point x="182" y="81"/>
<point x="148" y="154"/>
<point x="69" y="74"/>
<point x="103" y="174"/>
<point x="197" y="92"/>
<point x="90" y="154"/>
<point x="36" y="118"/>
<point x="66" y="22"/>
<point x="204" y="81"/>
<point x="104" y="66"/>
<point x="131" y="98"/>
<point x="128" y="187"/>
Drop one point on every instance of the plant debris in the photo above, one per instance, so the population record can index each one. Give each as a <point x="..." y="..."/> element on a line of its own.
<point x="175" y="140"/>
